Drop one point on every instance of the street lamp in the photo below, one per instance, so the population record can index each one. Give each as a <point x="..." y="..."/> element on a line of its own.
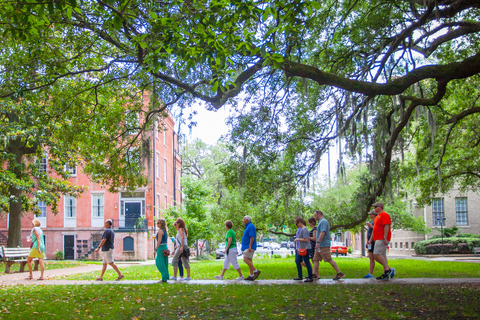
<point x="442" y="221"/>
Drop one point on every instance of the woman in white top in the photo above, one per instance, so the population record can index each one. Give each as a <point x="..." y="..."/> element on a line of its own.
<point x="182" y="244"/>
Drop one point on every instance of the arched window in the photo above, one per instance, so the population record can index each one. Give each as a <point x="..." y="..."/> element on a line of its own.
<point x="128" y="244"/>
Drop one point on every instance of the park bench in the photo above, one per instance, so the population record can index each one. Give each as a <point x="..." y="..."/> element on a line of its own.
<point x="16" y="255"/>
<point x="476" y="251"/>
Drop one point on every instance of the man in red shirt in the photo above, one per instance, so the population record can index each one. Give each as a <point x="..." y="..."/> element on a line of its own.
<point x="382" y="235"/>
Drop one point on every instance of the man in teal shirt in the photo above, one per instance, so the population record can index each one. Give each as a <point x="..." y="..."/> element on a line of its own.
<point x="322" y="247"/>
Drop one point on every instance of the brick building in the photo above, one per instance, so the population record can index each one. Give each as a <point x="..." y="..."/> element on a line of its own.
<point x="78" y="226"/>
<point x="459" y="209"/>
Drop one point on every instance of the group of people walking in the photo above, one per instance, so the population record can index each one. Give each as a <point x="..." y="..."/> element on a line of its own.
<point x="310" y="245"/>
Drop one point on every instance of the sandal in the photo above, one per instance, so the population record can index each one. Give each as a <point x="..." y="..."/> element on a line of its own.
<point x="99" y="279"/>
<point x="120" y="278"/>
<point x="298" y="278"/>
<point x="314" y="276"/>
<point x="29" y="278"/>
<point x="41" y="278"/>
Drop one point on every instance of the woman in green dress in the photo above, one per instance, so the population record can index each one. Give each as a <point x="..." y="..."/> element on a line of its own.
<point x="38" y="249"/>
<point x="160" y="261"/>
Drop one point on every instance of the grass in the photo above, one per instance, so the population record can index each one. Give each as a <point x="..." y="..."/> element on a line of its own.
<point x="50" y="264"/>
<point x="173" y="301"/>
<point x="284" y="268"/>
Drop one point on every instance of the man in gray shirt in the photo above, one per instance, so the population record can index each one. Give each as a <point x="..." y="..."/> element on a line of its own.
<point x="322" y="246"/>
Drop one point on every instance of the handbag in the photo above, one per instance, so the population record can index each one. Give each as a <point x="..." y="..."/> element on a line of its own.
<point x="302" y="252"/>
<point x="186" y="252"/>
<point x="166" y="253"/>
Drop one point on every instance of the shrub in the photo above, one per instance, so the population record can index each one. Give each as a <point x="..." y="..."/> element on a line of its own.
<point x="458" y="245"/>
<point x="468" y="235"/>
<point x="349" y="249"/>
<point x="58" y="254"/>
<point x="437" y="248"/>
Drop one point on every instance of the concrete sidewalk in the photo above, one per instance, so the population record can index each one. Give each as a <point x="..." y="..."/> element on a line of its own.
<point x="19" y="279"/>
<point x="405" y="281"/>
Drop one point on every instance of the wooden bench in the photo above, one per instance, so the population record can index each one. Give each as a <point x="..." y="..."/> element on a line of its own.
<point x="476" y="251"/>
<point x="16" y="255"/>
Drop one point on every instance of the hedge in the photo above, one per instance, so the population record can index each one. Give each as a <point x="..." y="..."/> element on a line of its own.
<point x="451" y="245"/>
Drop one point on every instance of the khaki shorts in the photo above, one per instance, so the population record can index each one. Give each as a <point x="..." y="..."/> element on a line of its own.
<point x="108" y="256"/>
<point x="380" y="248"/>
<point x="325" y="254"/>
<point x="248" y="254"/>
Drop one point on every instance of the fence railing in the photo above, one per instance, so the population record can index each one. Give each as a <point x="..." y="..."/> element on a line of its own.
<point x="131" y="224"/>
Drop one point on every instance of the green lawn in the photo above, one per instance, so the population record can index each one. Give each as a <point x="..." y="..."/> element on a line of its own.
<point x="305" y="301"/>
<point x="295" y="301"/>
<point x="284" y="268"/>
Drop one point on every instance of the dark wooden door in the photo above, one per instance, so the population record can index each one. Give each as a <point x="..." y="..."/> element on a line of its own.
<point x="69" y="247"/>
<point x="133" y="210"/>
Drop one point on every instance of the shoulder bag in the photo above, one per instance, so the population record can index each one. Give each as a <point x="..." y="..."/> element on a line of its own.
<point x="166" y="253"/>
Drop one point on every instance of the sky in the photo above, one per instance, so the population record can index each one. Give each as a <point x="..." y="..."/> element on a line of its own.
<point x="210" y="125"/>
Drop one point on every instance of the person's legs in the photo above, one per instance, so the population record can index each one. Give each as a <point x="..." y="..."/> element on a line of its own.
<point x="249" y="263"/>
<point x="306" y="260"/>
<point x="42" y="267"/>
<point x="114" y="266"/>
<point x="104" y="268"/>
<point x="334" y="265"/>
<point x="186" y="265"/>
<point x="298" y="262"/>
<point x="29" y="263"/>
<point x="180" y="268"/>
<point x="316" y="263"/>
<point x="382" y="260"/>
<point x="372" y="263"/>
<point x="175" y="260"/>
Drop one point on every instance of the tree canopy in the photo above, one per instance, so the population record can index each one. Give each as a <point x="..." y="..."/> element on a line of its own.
<point x="312" y="71"/>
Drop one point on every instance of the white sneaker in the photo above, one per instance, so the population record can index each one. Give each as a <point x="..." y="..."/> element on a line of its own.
<point x="180" y="279"/>
<point x="218" y="277"/>
<point x="239" y="278"/>
<point x="173" y="278"/>
<point x="187" y="278"/>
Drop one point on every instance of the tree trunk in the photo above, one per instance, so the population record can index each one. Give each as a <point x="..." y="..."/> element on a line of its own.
<point x="15" y="219"/>
<point x="15" y="202"/>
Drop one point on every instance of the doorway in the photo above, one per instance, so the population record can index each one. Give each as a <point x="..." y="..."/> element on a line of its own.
<point x="69" y="247"/>
<point x="133" y="211"/>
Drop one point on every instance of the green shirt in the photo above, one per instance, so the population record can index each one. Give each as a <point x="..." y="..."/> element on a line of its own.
<point x="231" y="233"/>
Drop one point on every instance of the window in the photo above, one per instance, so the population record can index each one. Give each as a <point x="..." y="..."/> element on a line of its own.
<point x="71" y="170"/>
<point x="128" y="244"/>
<point x="401" y="245"/>
<point x="97" y="205"/>
<point x="437" y="211"/>
<point x="396" y="245"/>
<point x="165" y="136"/>
<point x="165" y="201"/>
<point x="406" y="245"/>
<point x="462" y="212"/>
<point x="43" y="209"/>
<point x="413" y="244"/>
<point x="42" y="164"/>
<point x="157" y="206"/>
<point x="165" y="170"/>
<point x="157" y="165"/>
<point x="70" y="207"/>
<point x="156" y="129"/>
